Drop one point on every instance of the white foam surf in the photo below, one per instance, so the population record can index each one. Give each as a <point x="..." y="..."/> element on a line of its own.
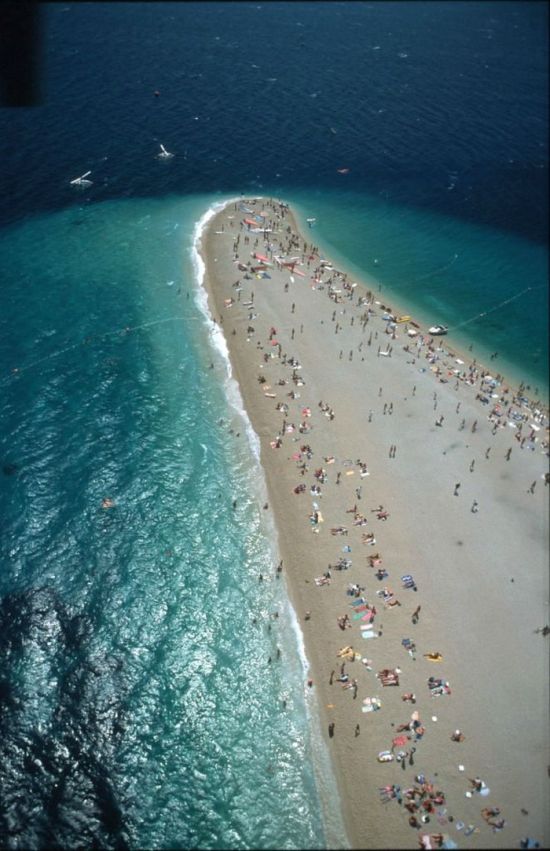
<point x="216" y="334"/>
<point x="326" y="783"/>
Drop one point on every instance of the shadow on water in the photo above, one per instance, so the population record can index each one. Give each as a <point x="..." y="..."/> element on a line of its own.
<point x="58" y="784"/>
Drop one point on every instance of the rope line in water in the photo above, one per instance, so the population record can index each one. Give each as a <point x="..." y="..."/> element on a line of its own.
<point x="430" y="274"/>
<point x="498" y="306"/>
<point x="125" y="329"/>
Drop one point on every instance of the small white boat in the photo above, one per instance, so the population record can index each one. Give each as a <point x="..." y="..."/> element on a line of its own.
<point x="81" y="181"/>
<point x="164" y="154"/>
<point x="311" y="222"/>
<point x="438" y="330"/>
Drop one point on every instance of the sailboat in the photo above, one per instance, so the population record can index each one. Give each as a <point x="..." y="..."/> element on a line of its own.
<point x="81" y="181"/>
<point x="164" y="154"/>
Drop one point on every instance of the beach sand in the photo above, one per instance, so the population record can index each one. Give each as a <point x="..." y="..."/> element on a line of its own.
<point x="481" y="576"/>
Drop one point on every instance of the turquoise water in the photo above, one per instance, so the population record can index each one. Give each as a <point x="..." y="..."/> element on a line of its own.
<point x="147" y="711"/>
<point x="140" y="636"/>
<point x="142" y="710"/>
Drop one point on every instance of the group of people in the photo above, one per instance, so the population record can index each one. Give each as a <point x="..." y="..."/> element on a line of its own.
<point x="421" y="800"/>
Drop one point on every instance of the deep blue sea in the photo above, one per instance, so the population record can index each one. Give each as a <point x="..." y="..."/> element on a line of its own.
<point x="138" y="703"/>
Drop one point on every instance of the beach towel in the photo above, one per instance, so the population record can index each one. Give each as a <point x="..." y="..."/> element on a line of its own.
<point x="344" y="650"/>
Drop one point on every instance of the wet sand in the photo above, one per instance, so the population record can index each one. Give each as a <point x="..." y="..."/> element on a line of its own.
<point x="481" y="575"/>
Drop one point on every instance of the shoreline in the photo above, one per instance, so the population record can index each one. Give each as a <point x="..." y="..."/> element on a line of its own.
<point x="367" y="280"/>
<point x="322" y="763"/>
<point x="305" y="556"/>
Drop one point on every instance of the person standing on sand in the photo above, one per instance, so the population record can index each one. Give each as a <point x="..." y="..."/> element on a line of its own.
<point x="457" y="486"/>
<point x="416" y="614"/>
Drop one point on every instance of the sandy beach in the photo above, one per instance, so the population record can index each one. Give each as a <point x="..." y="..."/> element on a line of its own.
<point x="372" y="427"/>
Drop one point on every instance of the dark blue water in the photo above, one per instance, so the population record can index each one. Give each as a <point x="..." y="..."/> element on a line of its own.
<point x="138" y="708"/>
<point x="415" y="92"/>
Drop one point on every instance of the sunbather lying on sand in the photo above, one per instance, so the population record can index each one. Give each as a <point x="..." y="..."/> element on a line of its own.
<point x="490" y="813"/>
<point x="432" y="840"/>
